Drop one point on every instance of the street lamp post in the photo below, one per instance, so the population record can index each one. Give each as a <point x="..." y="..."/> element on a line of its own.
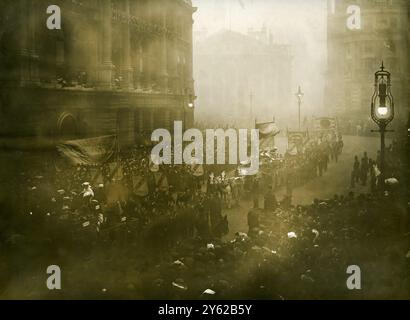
<point x="299" y="96"/>
<point x="189" y="106"/>
<point x="382" y="111"/>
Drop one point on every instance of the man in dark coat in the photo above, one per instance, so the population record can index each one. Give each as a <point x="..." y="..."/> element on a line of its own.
<point x="253" y="220"/>
<point x="215" y="208"/>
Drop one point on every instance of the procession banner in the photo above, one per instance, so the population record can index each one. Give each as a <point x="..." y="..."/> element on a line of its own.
<point x="153" y="165"/>
<point x="204" y="186"/>
<point x="89" y="151"/>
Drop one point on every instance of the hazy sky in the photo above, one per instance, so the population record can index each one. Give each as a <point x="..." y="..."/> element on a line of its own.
<point x="300" y="23"/>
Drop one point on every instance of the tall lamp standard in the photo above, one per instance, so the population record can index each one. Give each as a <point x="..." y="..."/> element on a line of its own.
<point x="299" y="96"/>
<point x="382" y="111"/>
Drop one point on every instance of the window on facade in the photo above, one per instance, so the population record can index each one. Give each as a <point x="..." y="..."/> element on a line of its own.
<point x="60" y="54"/>
<point x="348" y="52"/>
<point x="347" y="70"/>
<point x="389" y="44"/>
<point x="369" y="64"/>
<point x="368" y="48"/>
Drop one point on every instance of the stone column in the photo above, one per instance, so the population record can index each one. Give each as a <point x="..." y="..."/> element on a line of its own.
<point x="126" y="67"/>
<point x="140" y="121"/>
<point x="173" y="53"/>
<point x="147" y="50"/>
<point x="156" y="62"/>
<point x="106" y="68"/>
<point x="163" y="76"/>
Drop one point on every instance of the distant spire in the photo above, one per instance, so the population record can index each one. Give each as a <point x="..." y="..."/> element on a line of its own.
<point x="382" y="67"/>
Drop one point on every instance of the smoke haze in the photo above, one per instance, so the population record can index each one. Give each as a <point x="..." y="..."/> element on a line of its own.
<point x="298" y="23"/>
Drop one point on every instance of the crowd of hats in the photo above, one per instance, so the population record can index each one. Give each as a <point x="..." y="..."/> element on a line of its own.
<point x="295" y="252"/>
<point x="99" y="198"/>
<point x="297" y="169"/>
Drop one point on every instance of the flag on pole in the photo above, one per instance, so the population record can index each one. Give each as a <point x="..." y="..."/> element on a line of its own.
<point x="296" y="141"/>
<point x="96" y="176"/>
<point x="89" y="151"/>
<point x="116" y="171"/>
<point x="153" y="165"/>
<point x="197" y="169"/>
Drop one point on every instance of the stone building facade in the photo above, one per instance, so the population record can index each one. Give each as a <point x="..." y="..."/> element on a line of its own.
<point x="116" y="67"/>
<point x="355" y="55"/>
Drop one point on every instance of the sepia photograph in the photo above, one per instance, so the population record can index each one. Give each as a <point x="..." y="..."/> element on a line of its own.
<point x="204" y="150"/>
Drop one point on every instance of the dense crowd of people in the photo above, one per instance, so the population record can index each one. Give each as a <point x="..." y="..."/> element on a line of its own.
<point x="158" y="232"/>
<point x="367" y="171"/>
<point x="133" y="189"/>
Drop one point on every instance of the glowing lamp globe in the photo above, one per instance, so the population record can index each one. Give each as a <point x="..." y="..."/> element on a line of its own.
<point x="382" y="111"/>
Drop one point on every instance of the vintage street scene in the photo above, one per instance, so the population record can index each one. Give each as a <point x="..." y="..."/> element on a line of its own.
<point x="204" y="150"/>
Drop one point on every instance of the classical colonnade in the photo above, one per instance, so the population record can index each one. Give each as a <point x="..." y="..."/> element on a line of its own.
<point x="132" y="44"/>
